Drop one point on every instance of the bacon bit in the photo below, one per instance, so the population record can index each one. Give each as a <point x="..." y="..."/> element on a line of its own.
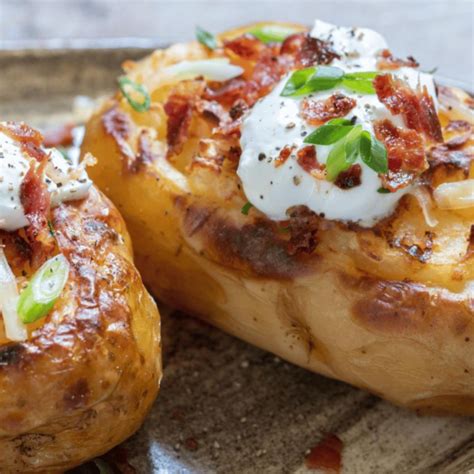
<point x="458" y="142"/>
<point x="285" y="153"/>
<point x="35" y="199"/>
<point x="406" y="155"/>
<point x="213" y="110"/>
<point x="416" y="108"/>
<point x="388" y="61"/>
<point x="179" y="110"/>
<point x="211" y="155"/>
<point x="326" y="455"/>
<point x="145" y="154"/>
<point x="458" y="126"/>
<point x="317" y="112"/>
<point x="419" y="249"/>
<point x="442" y="155"/>
<point x="303" y="226"/>
<point x="307" y="50"/>
<point x="470" y="245"/>
<point x="238" y="109"/>
<point x="307" y="159"/>
<point x="59" y="136"/>
<point x="350" y="178"/>
<point x="117" y="124"/>
<point x="30" y="139"/>
<point x="245" y="46"/>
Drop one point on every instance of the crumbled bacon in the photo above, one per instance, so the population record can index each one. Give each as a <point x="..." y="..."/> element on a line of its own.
<point x="406" y="155"/>
<point x="211" y="155"/>
<point x="388" y="61"/>
<point x="36" y="204"/>
<point x="317" y="112"/>
<point x="145" y="154"/>
<point x="236" y="114"/>
<point x="326" y="455"/>
<point x="416" y="108"/>
<point x="349" y="178"/>
<point x="246" y="46"/>
<point x="29" y="138"/>
<point x="179" y="109"/>
<point x="117" y="124"/>
<point x="212" y="109"/>
<point x="307" y="159"/>
<point x="303" y="227"/>
<point x="59" y="136"/>
<point x="284" y="154"/>
<point x="458" y="126"/>
<point x="307" y="50"/>
<point x="442" y="155"/>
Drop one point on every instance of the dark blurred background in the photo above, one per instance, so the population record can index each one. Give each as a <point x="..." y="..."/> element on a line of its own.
<point x="438" y="33"/>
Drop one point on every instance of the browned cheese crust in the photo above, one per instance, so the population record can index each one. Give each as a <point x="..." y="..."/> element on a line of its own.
<point x="388" y="309"/>
<point x="89" y="372"/>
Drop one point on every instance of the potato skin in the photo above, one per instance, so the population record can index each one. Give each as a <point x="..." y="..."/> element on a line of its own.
<point x="363" y="307"/>
<point x="85" y="379"/>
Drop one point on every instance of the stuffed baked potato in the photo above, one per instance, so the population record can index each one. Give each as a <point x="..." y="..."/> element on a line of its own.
<point x="80" y="360"/>
<point x="388" y="305"/>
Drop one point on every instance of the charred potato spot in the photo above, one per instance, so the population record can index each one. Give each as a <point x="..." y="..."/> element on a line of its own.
<point x="423" y="310"/>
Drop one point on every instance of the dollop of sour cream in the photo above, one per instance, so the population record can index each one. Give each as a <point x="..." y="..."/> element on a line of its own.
<point x="275" y="122"/>
<point x="64" y="181"/>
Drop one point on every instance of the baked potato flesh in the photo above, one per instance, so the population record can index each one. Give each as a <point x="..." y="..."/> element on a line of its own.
<point x="389" y="308"/>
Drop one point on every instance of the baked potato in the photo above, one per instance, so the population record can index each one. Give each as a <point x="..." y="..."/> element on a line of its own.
<point x="80" y="358"/>
<point x="387" y="307"/>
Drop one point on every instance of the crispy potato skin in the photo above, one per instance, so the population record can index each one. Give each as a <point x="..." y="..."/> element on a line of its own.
<point x="363" y="307"/>
<point x="87" y="376"/>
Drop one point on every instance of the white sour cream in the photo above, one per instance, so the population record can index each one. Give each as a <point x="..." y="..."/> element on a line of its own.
<point x="274" y="122"/>
<point x="64" y="182"/>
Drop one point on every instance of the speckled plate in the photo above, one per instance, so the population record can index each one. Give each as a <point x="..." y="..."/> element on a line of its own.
<point x="226" y="406"/>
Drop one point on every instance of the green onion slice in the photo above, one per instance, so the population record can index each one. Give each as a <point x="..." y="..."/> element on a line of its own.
<point x="205" y="38"/>
<point x="330" y="132"/>
<point x="44" y="288"/>
<point x="273" y="33"/>
<point x="320" y="78"/>
<point x="246" y="208"/>
<point x="129" y="89"/>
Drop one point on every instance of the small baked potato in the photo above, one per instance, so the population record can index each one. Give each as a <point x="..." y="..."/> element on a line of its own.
<point x="388" y="308"/>
<point x="77" y="379"/>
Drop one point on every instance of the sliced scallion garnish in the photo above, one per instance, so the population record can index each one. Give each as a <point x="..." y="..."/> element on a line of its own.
<point x="272" y="33"/>
<point x="320" y="78"/>
<point x="246" y="208"/>
<point x="44" y="288"/>
<point x="205" y="38"/>
<point x="131" y="89"/>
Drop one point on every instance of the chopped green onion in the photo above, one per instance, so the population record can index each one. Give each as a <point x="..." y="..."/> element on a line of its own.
<point x="383" y="191"/>
<point x="343" y="154"/>
<point x="133" y="88"/>
<point x="51" y="229"/>
<point x="330" y="133"/>
<point x="360" y="82"/>
<point x="246" y="208"/>
<point x="37" y="299"/>
<point x="312" y="79"/>
<point x="272" y="33"/>
<point x="205" y="38"/>
<point x="378" y="157"/>
<point x="321" y="78"/>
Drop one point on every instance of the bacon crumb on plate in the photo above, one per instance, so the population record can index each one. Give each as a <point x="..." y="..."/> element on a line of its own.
<point x="326" y="456"/>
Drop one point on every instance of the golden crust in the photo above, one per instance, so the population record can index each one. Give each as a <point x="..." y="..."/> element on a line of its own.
<point x="87" y="376"/>
<point x="389" y="309"/>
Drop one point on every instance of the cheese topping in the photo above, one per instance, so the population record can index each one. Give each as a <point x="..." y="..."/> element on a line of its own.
<point x="275" y="122"/>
